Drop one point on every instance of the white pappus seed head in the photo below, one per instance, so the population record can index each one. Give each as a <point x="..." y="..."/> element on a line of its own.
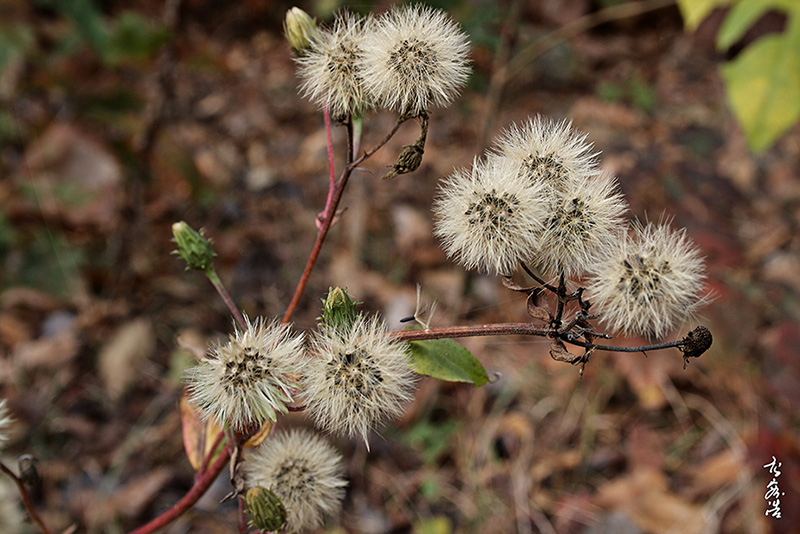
<point x="416" y="57"/>
<point x="548" y="151"/>
<point x="650" y="282"/>
<point x="489" y="218"/>
<point x="249" y="379"/>
<point x="356" y="376"/>
<point x="331" y="69"/>
<point x="584" y="218"/>
<point x="304" y="470"/>
<point x="5" y="422"/>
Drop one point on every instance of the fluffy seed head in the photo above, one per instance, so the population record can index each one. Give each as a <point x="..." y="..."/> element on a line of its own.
<point x="249" y="379"/>
<point x="548" y="151"/>
<point x="416" y="57"/>
<point x="356" y="377"/>
<point x="331" y="69"/>
<point x="5" y="422"/>
<point x="304" y="471"/>
<point x="650" y="282"/>
<point x="489" y="218"/>
<point x="584" y="218"/>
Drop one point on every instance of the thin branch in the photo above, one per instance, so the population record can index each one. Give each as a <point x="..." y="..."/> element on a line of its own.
<point x="538" y="279"/>
<point x="201" y="485"/>
<point x="380" y="145"/>
<point x="26" y="499"/>
<point x="643" y="348"/>
<point x="321" y="234"/>
<point x="497" y="329"/>
<point x="226" y="297"/>
<point x="331" y="167"/>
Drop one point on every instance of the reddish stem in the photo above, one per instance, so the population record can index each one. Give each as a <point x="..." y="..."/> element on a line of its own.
<point x="211" y="451"/>
<point x="201" y="484"/>
<point x="26" y="499"/>
<point x="498" y="329"/>
<point x="331" y="167"/>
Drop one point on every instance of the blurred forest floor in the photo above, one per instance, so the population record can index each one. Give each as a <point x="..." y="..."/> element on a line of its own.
<point x="115" y="124"/>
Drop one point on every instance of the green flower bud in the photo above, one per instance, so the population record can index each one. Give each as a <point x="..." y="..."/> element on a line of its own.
<point x="299" y="28"/>
<point x="265" y="508"/>
<point x="193" y="247"/>
<point x="338" y="310"/>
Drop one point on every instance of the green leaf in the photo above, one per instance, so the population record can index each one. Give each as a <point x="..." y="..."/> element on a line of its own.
<point x="694" y="11"/>
<point x="444" y="359"/>
<point x="763" y="86"/>
<point x="745" y="13"/>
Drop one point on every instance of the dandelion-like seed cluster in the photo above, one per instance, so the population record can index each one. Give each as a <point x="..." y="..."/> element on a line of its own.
<point x="416" y="57"/>
<point x="355" y="377"/>
<point x="331" y="69"/>
<point x="409" y="59"/>
<point x="304" y="470"/>
<point x="489" y="217"/>
<point x="249" y="379"/>
<point x="649" y="282"/>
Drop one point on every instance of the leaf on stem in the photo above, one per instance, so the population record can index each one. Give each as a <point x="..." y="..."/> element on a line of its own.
<point x="444" y="359"/>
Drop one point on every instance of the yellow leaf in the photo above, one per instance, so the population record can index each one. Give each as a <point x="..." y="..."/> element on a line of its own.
<point x="694" y="11"/>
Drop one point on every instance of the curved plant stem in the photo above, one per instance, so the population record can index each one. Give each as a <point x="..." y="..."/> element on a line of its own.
<point x="26" y="499"/>
<point x="201" y="485"/>
<point x="226" y="297"/>
<point x="330" y="210"/>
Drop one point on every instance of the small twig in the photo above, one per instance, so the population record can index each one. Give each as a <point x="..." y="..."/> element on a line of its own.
<point x="642" y="348"/>
<point x="561" y="293"/>
<point x="201" y="485"/>
<point x="380" y="145"/>
<point x="331" y="209"/>
<point x="497" y="329"/>
<point x="226" y="297"/>
<point x="538" y="279"/>
<point x="26" y="499"/>
<point x="331" y="167"/>
<point x="211" y="451"/>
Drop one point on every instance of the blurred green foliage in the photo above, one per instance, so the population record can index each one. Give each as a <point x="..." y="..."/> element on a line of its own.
<point x="127" y="37"/>
<point x="634" y="90"/>
<point x="763" y="81"/>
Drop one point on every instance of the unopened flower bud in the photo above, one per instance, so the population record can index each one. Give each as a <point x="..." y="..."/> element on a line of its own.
<point x="338" y="310"/>
<point x="193" y="247"/>
<point x="408" y="161"/>
<point x="299" y="28"/>
<point x="265" y="508"/>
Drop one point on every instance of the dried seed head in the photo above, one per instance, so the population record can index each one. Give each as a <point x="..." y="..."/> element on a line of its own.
<point x="416" y="57"/>
<point x="356" y="377"/>
<point x="489" y="218"/>
<point x="584" y="219"/>
<point x="548" y="151"/>
<point x="249" y="379"/>
<point x="650" y="282"/>
<point x="304" y="471"/>
<point x="331" y="69"/>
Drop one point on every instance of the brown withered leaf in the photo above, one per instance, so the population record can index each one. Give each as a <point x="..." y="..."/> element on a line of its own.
<point x="537" y="312"/>
<point x="560" y="353"/>
<point x="198" y="435"/>
<point x="513" y="286"/>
